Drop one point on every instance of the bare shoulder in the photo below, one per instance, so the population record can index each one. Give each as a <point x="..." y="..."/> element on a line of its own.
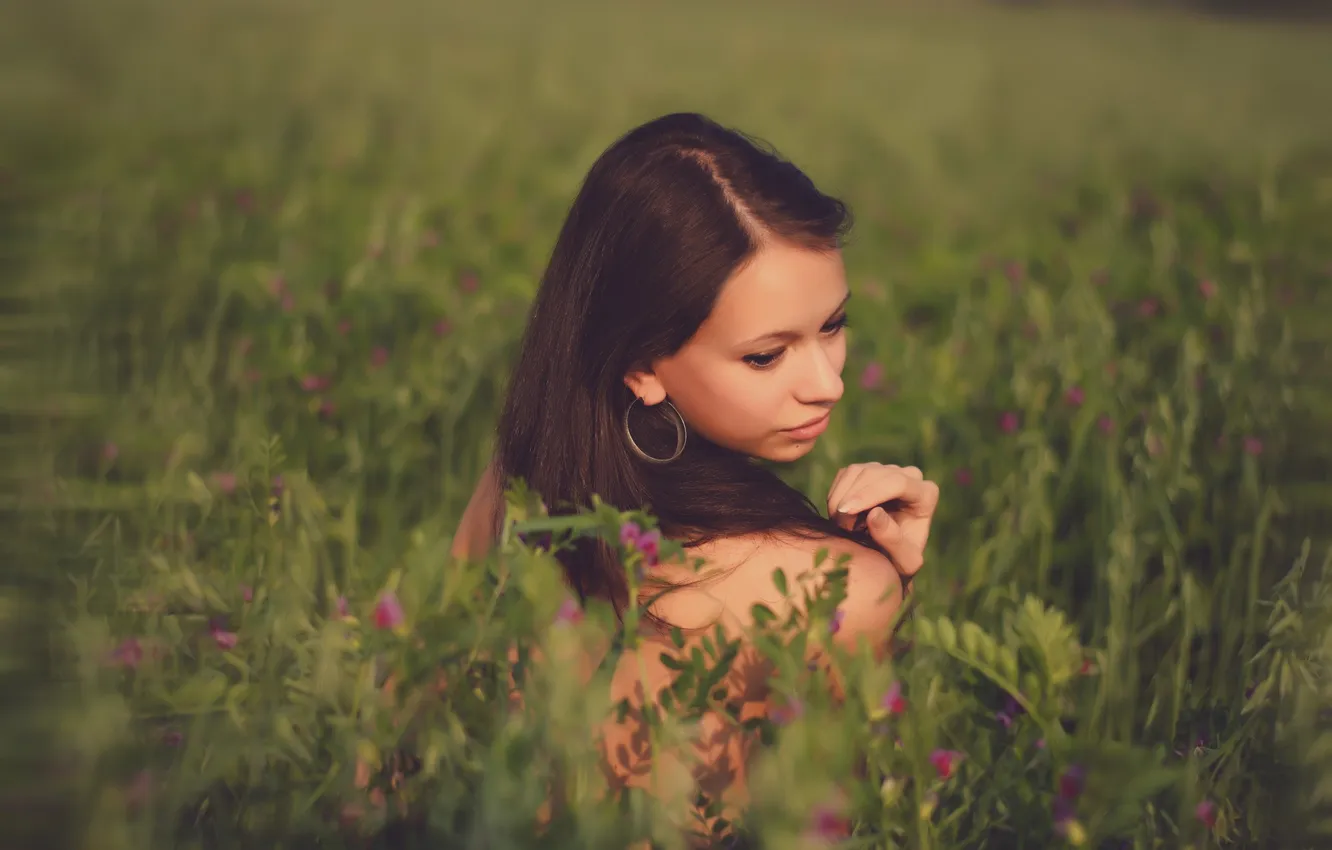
<point x="874" y="588"/>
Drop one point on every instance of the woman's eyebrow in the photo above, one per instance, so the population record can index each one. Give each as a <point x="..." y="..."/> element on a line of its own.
<point x="788" y="336"/>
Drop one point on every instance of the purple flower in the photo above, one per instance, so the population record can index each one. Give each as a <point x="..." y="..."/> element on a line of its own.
<point x="247" y="592"/>
<point x="1008" y="422"/>
<point x="342" y="608"/>
<point x="388" y="611"/>
<point x="1072" y="782"/>
<point x="1148" y="307"/>
<point x="1075" y="396"/>
<point x="829" y="823"/>
<point x="835" y="624"/>
<point x="315" y="383"/>
<point x="128" y="654"/>
<point x="443" y="327"/>
<point x="648" y="543"/>
<point x="1106" y="425"/>
<point x="224" y="481"/>
<point x="963" y="477"/>
<point x="871" y="376"/>
<point x="788" y="713"/>
<point x="893" y="701"/>
<point x="570" y="612"/>
<point x="945" y="762"/>
<point x="223" y="638"/>
<point x="1253" y="446"/>
<point x="1205" y="812"/>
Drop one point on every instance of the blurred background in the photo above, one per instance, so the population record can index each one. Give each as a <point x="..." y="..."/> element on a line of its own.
<point x="232" y="219"/>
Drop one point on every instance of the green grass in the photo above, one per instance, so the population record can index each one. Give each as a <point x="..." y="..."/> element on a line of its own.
<point x="169" y="162"/>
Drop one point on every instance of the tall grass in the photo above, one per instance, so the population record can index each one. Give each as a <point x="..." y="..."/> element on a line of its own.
<point x="294" y="239"/>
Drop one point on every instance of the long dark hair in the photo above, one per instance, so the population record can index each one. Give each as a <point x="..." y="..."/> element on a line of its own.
<point x="666" y="215"/>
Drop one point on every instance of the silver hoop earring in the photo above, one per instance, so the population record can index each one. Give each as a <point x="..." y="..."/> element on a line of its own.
<point x="681" y="434"/>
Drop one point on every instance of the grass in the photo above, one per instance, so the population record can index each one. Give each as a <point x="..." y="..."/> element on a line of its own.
<point x="1023" y="180"/>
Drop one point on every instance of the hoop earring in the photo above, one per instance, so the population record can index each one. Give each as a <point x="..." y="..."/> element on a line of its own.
<point x="681" y="434"/>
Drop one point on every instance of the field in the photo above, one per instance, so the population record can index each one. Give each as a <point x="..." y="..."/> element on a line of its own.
<point x="272" y="262"/>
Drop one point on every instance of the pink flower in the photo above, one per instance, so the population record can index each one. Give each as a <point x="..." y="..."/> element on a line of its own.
<point x="945" y="762"/>
<point x="128" y="654"/>
<point x="1205" y="812"/>
<point x="315" y="383"/>
<point x="388" y="611"/>
<point x="247" y="592"/>
<point x="378" y="357"/>
<point x="1106" y="424"/>
<point x="1207" y="288"/>
<point x="646" y="542"/>
<point x="469" y="282"/>
<point x="788" y="713"/>
<point x="893" y="701"/>
<point x="828" y="823"/>
<point x="327" y="408"/>
<point x="1015" y="272"/>
<point x="1148" y="307"/>
<point x="1075" y="396"/>
<point x="872" y="376"/>
<point x="1253" y="446"/>
<point x="835" y="623"/>
<point x="223" y="638"/>
<point x="224" y="481"/>
<point x="963" y="477"/>
<point x="570" y="612"/>
<point x="1071" y="783"/>
<point x="342" y="607"/>
<point x="1008" y="423"/>
<point x="443" y="327"/>
<point x="1088" y="668"/>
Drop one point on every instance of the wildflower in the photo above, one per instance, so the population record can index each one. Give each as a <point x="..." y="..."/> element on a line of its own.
<point x="646" y="542"/>
<point x="173" y="738"/>
<point x="1015" y="272"/>
<point x="327" y="407"/>
<point x="1207" y="288"/>
<point x="315" y="383"/>
<point x="1253" y="446"/>
<point x="788" y="713"/>
<point x="1205" y="812"/>
<point x="469" y="282"/>
<point x="224" y="481"/>
<point x="893" y="702"/>
<point x="871" y="376"/>
<point x="828" y="822"/>
<point x="1075" y="396"/>
<point x="945" y="762"/>
<point x="1071" y="783"/>
<point x="1148" y="307"/>
<point x="342" y="608"/>
<point x="1088" y="668"/>
<point x="1008" y="422"/>
<point x="378" y="357"/>
<point x="128" y="654"/>
<point x="835" y="624"/>
<point x="388" y="612"/>
<point x="247" y="593"/>
<point x="963" y="477"/>
<point x="223" y="638"/>
<point x="1106" y="425"/>
<point x="570" y="612"/>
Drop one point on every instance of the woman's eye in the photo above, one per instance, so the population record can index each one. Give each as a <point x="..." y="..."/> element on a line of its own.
<point x="837" y="324"/>
<point x="762" y="361"/>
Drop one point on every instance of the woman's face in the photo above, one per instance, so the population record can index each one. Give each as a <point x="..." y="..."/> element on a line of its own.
<point x="767" y="361"/>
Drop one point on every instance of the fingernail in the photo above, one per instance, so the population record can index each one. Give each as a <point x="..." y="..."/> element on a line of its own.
<point x="841" y="509"/>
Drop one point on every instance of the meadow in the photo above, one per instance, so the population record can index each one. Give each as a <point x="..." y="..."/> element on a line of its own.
<point x="273" y="259"/>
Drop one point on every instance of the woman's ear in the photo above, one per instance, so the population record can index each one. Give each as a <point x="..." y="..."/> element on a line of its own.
<point x="646" y="385"/>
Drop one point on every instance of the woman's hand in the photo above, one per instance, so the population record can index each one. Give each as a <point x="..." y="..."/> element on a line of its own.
<point x="897" y="505"/>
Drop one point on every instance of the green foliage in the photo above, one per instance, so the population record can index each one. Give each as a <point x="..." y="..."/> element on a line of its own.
<point x="289" y="248"/>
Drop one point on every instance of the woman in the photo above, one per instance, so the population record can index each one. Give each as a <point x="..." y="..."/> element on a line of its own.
<point x="691" y="325"/>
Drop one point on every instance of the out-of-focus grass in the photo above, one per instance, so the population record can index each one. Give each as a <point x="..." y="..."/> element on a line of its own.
<point x="165" y="164"/>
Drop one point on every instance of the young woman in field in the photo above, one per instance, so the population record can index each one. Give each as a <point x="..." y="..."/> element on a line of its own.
<point x="690" y="324"/>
